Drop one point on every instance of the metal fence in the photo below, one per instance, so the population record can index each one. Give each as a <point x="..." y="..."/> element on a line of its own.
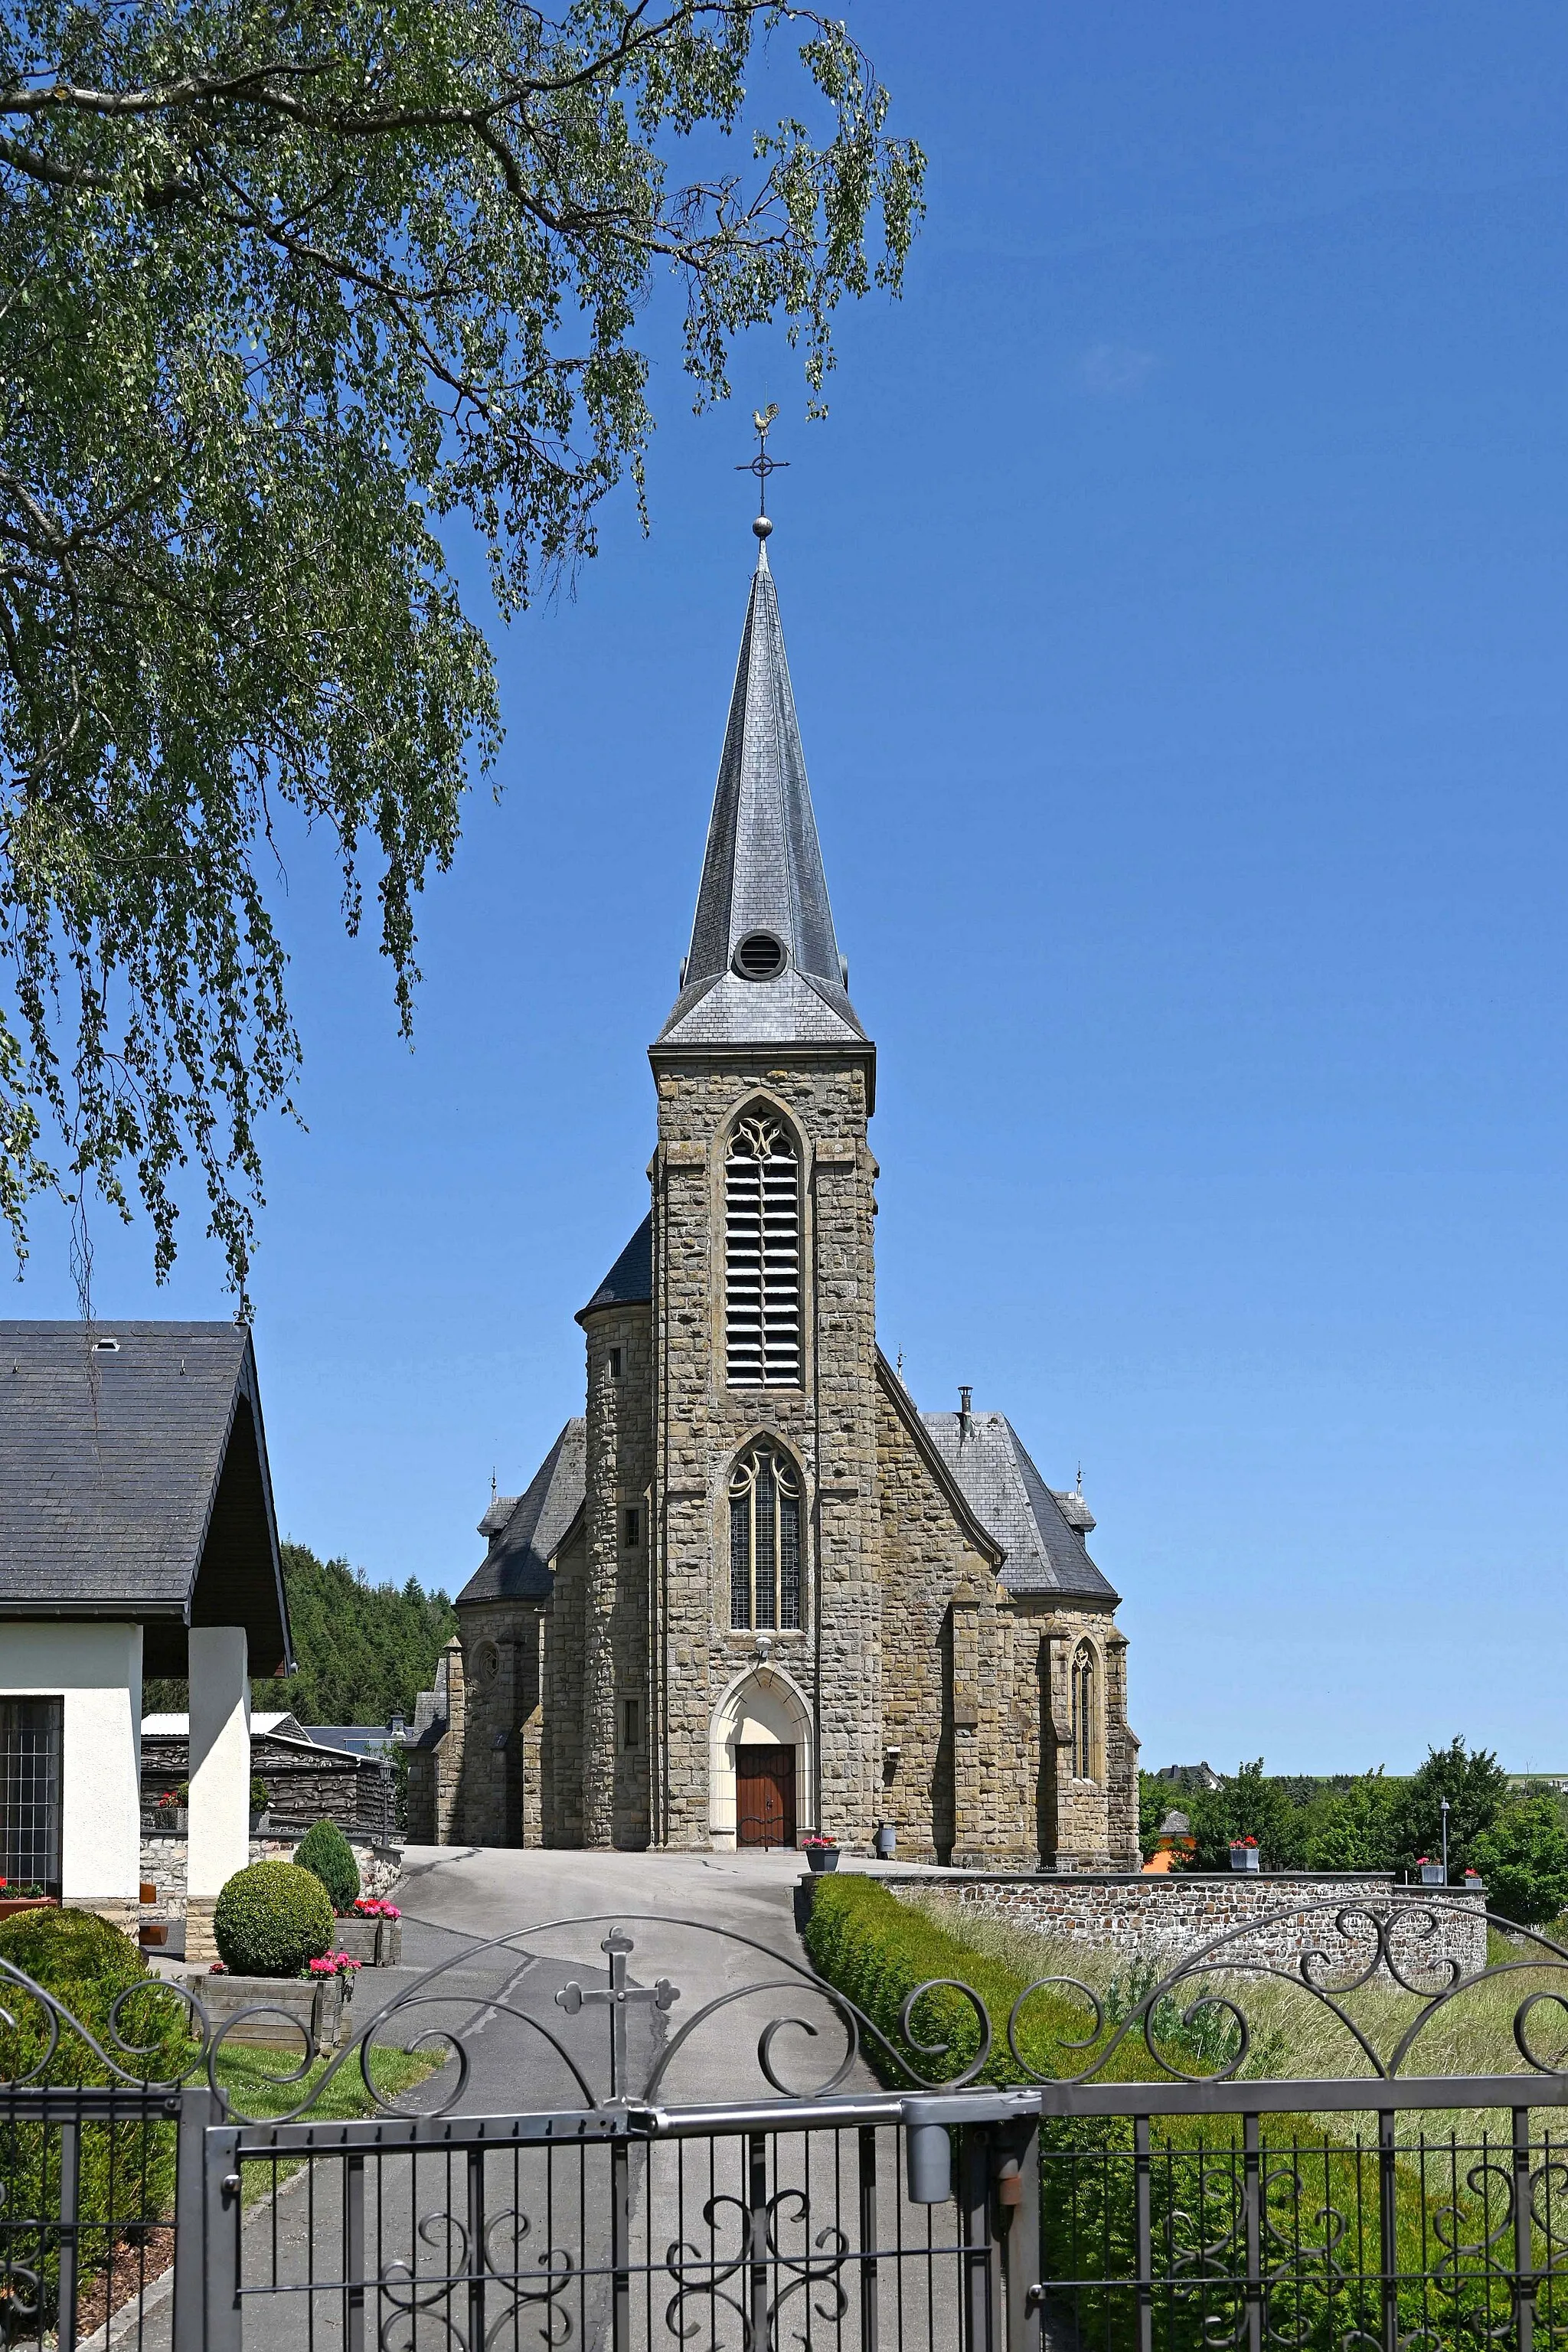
<point x="1147" y="2180"/>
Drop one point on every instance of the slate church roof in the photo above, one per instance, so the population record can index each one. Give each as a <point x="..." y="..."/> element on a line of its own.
<point x="1045" y="1551"/>
<point x="524" y="1537"/>
<point x="763" y="902"/>
<point x="629" y="1281"/>
<point x="136" y="1485"/>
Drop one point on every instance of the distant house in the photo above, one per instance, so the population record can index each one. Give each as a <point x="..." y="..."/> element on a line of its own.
<point x="137" y="1538"/>
<point x="305" y="1779"/>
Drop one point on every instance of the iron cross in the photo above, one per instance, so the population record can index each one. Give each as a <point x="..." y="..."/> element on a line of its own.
<point x="617" y="1994"/>
<point x="762" y="465"/>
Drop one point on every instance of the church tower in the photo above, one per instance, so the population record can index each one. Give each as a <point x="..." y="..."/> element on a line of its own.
<point x="764" y="1604"/>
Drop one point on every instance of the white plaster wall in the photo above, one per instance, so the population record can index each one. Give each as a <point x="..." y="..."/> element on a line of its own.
<point x="220" y="1804"/>
<point x="97" y="1671"/>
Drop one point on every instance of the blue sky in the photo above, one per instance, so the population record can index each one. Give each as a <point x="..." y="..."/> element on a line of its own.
<point x="1176" y="602"/>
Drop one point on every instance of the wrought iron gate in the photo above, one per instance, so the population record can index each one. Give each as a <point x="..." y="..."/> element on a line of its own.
<point x="1170" y="2195"/>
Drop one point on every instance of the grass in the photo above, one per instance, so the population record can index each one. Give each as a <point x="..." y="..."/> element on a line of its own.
<point x="1295" y="2034"/>
<point x="262" y="2083"/>
<point x="1319" y="2188"/>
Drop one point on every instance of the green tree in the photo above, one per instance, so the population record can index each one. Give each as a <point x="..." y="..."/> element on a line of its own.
<point x="283" y="292"/>
<point x="362" y="1652"/>
<point x="1352" y="1829"/>
<point x="1476" y="1786"/>
<point x="1249" y="1803"/>
<point x="1523" y="1858"/>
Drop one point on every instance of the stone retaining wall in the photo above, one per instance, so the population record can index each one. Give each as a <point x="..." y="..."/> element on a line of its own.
<point x="1183" y="1911"/>
<point x="164" y="1865"/>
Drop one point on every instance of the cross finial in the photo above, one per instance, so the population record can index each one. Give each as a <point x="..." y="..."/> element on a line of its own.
<point x="762" y="465"/>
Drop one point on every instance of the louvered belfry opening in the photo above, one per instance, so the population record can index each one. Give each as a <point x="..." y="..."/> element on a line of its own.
<point x="761" y="1256"/>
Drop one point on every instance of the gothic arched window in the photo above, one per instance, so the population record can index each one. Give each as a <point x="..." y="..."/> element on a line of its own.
<point x="765" y="1541"/>
<point x="1085" y="1700"/>
<point x="762" y="1255"/>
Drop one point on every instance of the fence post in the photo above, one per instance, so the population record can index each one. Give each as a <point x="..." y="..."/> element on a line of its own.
<point x="70" y="2217"/>
<point x="198" y="2109"/>
<point x="1252" y="2171"/>
<point x="1388" y="2228"/>
<point x="757" y="2239"/>
<point x="1143" y="2230"/>
<point x="979" y="2263"/>
<point x="353" y="2253"/>
<point x="1018" y="2189"/>
<point x="870" y="2334"/>
<point x="1523" y="2247"/>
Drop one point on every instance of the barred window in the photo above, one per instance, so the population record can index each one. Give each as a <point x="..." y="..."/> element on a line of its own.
<point x="761" y="1256"/>
<point x="1084" y="1744"/>
<point x="30" y="1793"/>
<point x="765" y="1541"/>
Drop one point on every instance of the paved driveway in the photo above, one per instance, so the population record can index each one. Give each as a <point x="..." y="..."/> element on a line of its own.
<point x="709" y="1925"/>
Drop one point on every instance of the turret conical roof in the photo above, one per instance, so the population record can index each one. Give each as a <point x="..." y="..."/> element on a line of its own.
<point x="763" y="963"/>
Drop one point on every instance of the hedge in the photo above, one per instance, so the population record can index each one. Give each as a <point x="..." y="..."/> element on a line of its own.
<point x="876" y="1950"/>
<point x="326" y="1850"/>
<point x="127" y="2168"/>
<point x="272" y="1920"/>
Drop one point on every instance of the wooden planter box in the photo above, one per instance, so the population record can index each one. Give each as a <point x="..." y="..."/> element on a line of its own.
<point x="373" y="1943"/>
<point x="316" y="2003"/>
<point x="11" y="1903"/>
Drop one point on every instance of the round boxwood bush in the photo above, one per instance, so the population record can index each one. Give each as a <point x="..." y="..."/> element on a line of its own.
<point x="125" y="2175"/>
<point x="85" y="1964"/>
<point x="326" y="1850"/>
<point x="272" y="1919"/>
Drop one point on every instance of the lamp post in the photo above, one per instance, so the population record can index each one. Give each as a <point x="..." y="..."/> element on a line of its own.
<point x="1445" y="1841"/>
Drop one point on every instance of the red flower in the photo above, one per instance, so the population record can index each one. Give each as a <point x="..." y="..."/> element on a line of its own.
<point x="1242" y="1840"/>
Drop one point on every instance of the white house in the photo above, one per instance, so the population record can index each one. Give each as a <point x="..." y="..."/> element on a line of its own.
<point x="137" y="1538"/>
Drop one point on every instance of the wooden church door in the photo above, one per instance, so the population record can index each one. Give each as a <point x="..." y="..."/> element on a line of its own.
<point x="764" y="1794"/>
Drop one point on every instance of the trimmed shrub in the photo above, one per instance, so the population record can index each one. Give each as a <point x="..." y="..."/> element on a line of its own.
<point x="272" y="1920"/>
<point x="126" y="2167"/>
<point x="326" y="1850"/>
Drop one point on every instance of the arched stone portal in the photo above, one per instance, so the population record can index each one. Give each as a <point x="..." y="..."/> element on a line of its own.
<point x="762" y="1707"/>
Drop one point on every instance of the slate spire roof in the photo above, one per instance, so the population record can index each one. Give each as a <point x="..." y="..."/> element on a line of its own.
<point x="761" y="877"/>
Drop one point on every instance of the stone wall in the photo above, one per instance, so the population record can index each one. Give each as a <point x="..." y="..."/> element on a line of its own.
<point x="615" y="1620"/>
<point x="497" y="1797"/>
<point x="1183" y="1911"/>
<point x="829" y="1424"/>
<point x="564" y="1635"/>
<point x="165" y="1861"/>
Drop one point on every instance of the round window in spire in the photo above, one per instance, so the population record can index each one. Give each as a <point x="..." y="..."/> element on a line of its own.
<point x="762" y="955"/>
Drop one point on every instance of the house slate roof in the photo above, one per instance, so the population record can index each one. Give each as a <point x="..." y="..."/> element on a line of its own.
<point x="517" y="1565"/>
<point x="1008" y="1496"/>
<point x="762" y="870"/>
<point x="136" y="1483"/>
<point x="178" y="1727"/>
<point x="628" y="1282"/>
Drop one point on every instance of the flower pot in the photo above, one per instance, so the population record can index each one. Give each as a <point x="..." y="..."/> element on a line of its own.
<point x="886" y="1841"/>
<point x="820" y="1858"/>
<point x="1244" y="1857"/>
<point x="375" y="1943"/>
<point x="316" y="2003"/>
<point x="11" y="1903"/>
<point x="1433" y="1875"/>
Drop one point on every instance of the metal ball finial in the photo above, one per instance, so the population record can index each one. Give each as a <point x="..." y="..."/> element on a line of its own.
<point x="762" y="525"/>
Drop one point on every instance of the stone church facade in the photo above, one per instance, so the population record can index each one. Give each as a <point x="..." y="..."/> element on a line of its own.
<point x="753" y="1592"/>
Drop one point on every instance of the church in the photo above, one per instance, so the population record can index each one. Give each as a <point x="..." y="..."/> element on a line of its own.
<point x="753" y="1593"/>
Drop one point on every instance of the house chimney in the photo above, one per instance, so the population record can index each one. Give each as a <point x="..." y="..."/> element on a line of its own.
<point x="965" y="1400"/>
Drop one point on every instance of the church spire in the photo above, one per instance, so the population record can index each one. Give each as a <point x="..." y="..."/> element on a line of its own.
<point x="763" y="962"/>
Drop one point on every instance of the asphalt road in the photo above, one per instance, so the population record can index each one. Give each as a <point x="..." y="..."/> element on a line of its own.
<point x="491" y="1939"/>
